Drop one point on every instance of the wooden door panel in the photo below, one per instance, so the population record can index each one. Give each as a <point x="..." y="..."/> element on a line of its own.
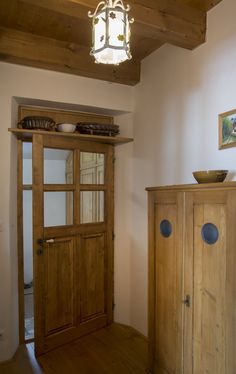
<point x="92" y="276"/>
<point x="59" y="285"/>
<point x="167" y="291"/>
<point x="209" y="329"/>
<point x="74" y="275"/>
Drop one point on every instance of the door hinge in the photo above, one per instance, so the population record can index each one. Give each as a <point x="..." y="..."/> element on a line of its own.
<point x="113" y="306"/>
<point x="114" y="160"/>
<point x="113" y="235"/>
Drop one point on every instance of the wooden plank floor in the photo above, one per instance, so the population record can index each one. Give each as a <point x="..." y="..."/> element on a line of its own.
<point x="112" y="350"/>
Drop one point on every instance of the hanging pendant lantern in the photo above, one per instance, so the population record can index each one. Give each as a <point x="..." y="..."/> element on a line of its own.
<point x="111" y="32"/>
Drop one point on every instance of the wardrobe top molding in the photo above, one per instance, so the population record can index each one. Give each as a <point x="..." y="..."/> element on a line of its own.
<point x="195" y="186"/>
<point x="27" y="135"/>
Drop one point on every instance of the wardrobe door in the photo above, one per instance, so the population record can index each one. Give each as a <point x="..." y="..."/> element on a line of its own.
<point x="213" y="299"/>
<point x="165" y="292"/>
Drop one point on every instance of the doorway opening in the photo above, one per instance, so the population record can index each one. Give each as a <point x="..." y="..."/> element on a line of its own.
<point x="65" y="233"/>
<point x="28" y="242"/>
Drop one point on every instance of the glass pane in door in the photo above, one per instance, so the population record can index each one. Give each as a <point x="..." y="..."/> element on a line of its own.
<point x="27" y="163"/>
<point x="58" y="208"/>
<point x="92" y="168"/>
<point x="58" y="166"/>
<point x="91" y="206"/>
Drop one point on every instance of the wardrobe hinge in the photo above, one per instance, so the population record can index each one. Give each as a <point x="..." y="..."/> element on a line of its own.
<point x="113" y="306"/>
<point x="113" y="235"/>
<point x="114" y="160"/>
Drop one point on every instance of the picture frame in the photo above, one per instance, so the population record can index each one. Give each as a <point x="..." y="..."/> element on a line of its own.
<point x="227" y="129"/>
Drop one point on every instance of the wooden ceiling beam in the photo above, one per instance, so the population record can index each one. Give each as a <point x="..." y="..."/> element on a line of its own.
<point x="36" y="51"/>
<point x="205" y="5"/>
<point x="170" y="21"/>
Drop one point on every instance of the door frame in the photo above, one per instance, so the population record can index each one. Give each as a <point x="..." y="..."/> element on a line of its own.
<point x="59" y="116"/>
<point x="20" y="189"/>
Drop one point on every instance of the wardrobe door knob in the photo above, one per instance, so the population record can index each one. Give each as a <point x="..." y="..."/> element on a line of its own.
<point x="186" y="301"/>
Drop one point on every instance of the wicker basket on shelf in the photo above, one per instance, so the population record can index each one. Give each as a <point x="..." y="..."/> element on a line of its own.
<point x="98" y="129"/>
<point x="37" y="123"/>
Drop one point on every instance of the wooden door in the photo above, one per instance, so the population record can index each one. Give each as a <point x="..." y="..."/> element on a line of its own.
<point x="210" y="280"/>
<point x="165" y="282"/>
<point x="73" y="254"/>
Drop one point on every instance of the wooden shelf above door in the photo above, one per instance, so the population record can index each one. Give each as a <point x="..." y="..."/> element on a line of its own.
<point x="27" y="135"/>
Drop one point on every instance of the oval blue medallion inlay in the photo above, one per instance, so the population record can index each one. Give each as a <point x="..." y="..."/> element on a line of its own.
<point x="210" y="233"/>
<point x="165" y="228"/>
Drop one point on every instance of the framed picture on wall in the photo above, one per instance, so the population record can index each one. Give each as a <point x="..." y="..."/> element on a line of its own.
<point x="227" y="129"/>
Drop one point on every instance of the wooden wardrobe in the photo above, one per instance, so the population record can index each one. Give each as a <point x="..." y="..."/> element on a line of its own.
<point x="192" y="279"/>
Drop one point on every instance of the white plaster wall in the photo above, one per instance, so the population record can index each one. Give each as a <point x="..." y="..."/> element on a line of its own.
<point x="123" y="221"/>
<point x="68" y="91"/>
<point x="176" y="127"/>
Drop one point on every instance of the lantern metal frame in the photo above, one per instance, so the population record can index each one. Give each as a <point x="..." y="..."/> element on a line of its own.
<point x="108" y="6"/>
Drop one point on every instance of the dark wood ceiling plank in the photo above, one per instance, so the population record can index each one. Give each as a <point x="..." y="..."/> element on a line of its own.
<point x="69" y="7"/>
<point x="61" y="30"/>
<point x="44" y="22"/>
<point x="36" y="51"/>
<point x="63" y="27"/>
<point x="177" y="8"/>
<point x="170" y="28"/>
<point x="175" y="22"/>
<point x="142" y="47"/>
<point x="204" y="5"/>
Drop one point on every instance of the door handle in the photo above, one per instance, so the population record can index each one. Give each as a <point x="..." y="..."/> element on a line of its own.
<point x="42" y="241"/>
<point x="49" y="241"/>
<point x="187" y="301"/>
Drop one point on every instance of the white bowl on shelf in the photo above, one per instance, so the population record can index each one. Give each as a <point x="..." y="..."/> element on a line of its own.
<point x="66" y="127"/>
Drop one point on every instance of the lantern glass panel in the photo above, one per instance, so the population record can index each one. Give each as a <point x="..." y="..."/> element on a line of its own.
<point x="111" y="56"/>
<point x="116" y="28"/>
<point x="99" y="30"/>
